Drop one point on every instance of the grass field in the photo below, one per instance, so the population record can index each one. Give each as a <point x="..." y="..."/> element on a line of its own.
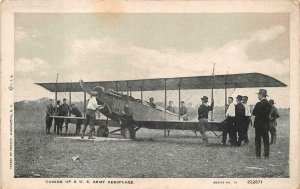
<point x="151" y="155"/>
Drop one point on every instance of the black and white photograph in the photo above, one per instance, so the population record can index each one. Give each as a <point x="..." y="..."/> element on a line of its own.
<point x="122" y="96"/>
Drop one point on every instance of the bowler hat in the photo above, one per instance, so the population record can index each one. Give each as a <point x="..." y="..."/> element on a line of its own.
<point x="64" y="99"/>
<point x="239" y="97"/>
<point x="271" y="101"/>
<point x="262" y="92"/>
<point x="204" y="98"/>
<point x="94" y="93"/>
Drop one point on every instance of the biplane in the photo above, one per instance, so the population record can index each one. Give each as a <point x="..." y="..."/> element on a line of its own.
<point x="115" y="95"/>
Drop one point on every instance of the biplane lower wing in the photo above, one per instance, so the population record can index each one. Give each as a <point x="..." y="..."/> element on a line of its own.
<point x="181" y="125"/>
<point x="174" y="125"/>
<point x="98" y="122"/>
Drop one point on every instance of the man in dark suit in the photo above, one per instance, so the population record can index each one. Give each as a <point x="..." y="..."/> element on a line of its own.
<point x="49" y="112"/>
<point x="240" y="119"/>
<point x="261" y="112"/>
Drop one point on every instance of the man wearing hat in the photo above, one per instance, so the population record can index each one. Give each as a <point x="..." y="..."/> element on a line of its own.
<point x="240" y="119"/>
<point x="262" y="112"/>
<point x="91" y="114"/>
<point x="203" y="116"/>
<point x="273" y="121"/>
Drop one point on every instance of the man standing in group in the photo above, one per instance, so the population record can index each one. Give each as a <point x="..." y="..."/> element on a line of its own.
<point x="49" y="112"/>
<point x="273" y="121"/>
<point x="203" y="116"/>
<point x="65" y="112"/>
<point x="91" y="114"/>
<point x="248" y="120"/>
<point x="240" y="119"/>
<point x="229" y="125"/>
<point x="262" y="112"/>
<point x="170" y="108"/>
<point x="58" y="121"/>
<point x="75" y="111"/>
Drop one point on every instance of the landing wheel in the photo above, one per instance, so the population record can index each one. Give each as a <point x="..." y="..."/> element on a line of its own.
<point x="128" y="132"/>
<point x="102" y="131"/>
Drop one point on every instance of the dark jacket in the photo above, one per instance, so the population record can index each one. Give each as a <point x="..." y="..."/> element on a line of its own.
<point x="240" y="113"/>
<point x="75" y="111"/>
<point x="273" y="116"/>
<point x="182" y="111"/>
<point x="58" y="111"/>
<point x="261" y="112"/>
<point x="64" y="109"/>
<point x="50" y="110"/>
<point x="203" y="110"/>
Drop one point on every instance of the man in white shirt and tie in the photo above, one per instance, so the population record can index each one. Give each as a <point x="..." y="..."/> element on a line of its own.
<point x="229" y="126"/>
<point x="91" y="114"/>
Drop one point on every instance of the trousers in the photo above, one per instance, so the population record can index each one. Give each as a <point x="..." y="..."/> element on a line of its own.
<point x="273" y="134"/>
<point x="202" y="124"/>
<point x="48" y="123"/>
<point x="89" y="120"/>
<point x="229" y="129"/>
<point x="262" y="134"/>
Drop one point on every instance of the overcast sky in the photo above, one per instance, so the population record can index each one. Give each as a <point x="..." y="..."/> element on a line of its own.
<point x="102" y="46"/>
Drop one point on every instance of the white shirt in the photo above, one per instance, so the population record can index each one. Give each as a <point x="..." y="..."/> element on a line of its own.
<point x="231" y="110"/>
<point x="92" y="105"/>
<point x="247" y="110"/>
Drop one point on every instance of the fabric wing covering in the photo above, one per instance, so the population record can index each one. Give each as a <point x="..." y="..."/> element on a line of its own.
<point x="245" y="80"/>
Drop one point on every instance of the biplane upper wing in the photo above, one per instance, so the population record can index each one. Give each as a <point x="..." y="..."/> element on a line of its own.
<point x="244" y="80"/>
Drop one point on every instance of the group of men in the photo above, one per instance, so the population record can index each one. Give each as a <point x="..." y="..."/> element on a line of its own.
<point x="238" y="119"/>
<point x="60" y="110"/>
<point x="65" y="110"/>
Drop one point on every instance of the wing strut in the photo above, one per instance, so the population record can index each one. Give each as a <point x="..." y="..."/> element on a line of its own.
<point x="70" y="97"/>
<point x="56" y="94"/>
<point x="212" y="92"/>
<point x="179" y="99"/>
<point x="225" y="87"/>
<point x="84" y="103"/>
<point x="165" y="98"/>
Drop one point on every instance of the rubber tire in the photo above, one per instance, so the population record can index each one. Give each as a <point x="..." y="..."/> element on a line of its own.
<point x="102" y="131"/>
